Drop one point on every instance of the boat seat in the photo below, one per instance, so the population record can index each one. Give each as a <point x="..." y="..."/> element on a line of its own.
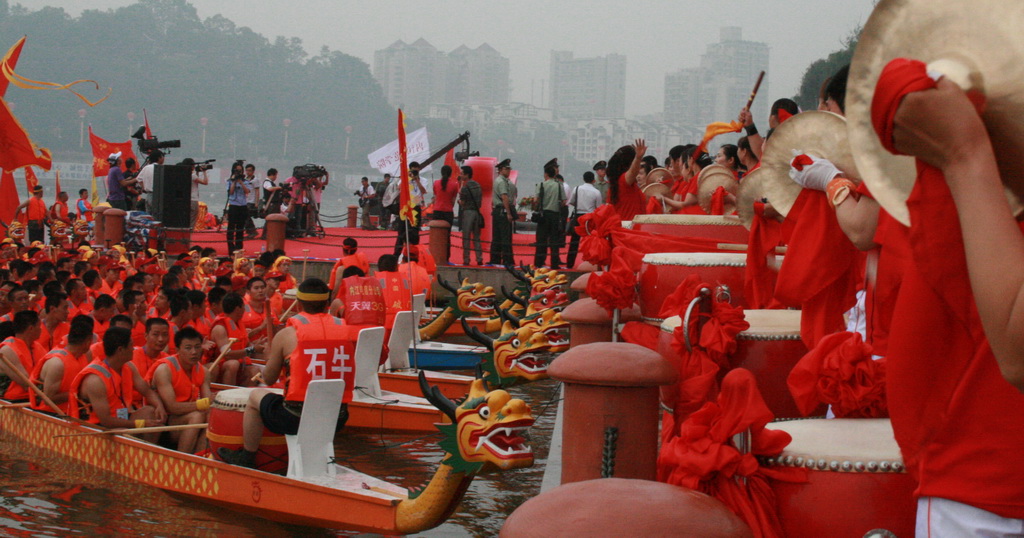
<point x="401" y="339"/>
<point x="311" y="450"/>
<point x="419" y="308"/>
<point x="368" y="347"/>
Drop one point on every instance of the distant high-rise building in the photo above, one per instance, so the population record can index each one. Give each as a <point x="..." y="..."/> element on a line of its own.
<point x="416" y="76"/>
<point x="588" y="87"/>
<point x="715" y="91"/>
<point x="477" y="76"/>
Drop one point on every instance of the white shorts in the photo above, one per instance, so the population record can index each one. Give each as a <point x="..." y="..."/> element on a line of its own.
<point x="939" y="518"/>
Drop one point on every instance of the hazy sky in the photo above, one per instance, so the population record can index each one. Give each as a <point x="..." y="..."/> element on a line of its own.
<point x="656" y="36"/>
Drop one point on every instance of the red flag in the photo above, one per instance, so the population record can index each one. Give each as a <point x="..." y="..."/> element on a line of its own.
<point x="19" y="151"/>
<point x="30" y="179"/>
<point x="145" y="120"/>
<point x="12" y="61"/>
<point x="9" y="200"/>
<point x="101" y="149"/>
<point x="449" y="160"/>
<point x="406" y="203"/>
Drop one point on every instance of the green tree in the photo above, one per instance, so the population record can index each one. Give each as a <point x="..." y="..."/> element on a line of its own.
<point x="820" y="70"/>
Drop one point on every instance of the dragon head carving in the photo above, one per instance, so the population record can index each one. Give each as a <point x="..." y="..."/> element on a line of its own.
<point x="517" y="356"/>
<point x="16" y="231"/>
<point x="475" y="299"/>
<point x="60" y="231"/>
<point x="550" y="299"/>
<point x="547" y="279"/>
<point x="486" y="430"/>
<point x="552" y="326"/>
<point x="81" y="228"/>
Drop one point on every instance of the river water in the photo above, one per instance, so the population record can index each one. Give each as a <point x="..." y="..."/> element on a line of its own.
<point x="42" y="495"/>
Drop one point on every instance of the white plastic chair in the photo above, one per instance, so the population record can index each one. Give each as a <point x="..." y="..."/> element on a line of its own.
<point x="419" y="308"/>
<point x="311" y="450"/>
<point x="371" y="341"/>
<point x="401" y="338"/>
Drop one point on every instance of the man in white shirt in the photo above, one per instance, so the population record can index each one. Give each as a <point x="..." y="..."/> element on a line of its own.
<point x="250" y="199"/>
<point x="366" y="195"/>
<point x="584" y="199"/>
<point x="146" y="176"/>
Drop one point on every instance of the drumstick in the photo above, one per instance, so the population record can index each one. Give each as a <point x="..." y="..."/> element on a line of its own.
<point x="305" y="258"/>
<point x="222" y="353"/>
<point x="753" y="94"/>
<point x="133" y="431"/>
<point x="258" y="378"/>
<point x="290" y="307"/>
<point x="162" y="260"/>
<point x="39" y="392"/>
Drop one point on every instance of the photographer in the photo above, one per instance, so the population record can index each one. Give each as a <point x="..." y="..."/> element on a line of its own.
<point x="199" y="177"/>
<point x="238" y="209"/>
<point x="366" y="195"/>
<point x="271" y="193"/>
<point x="146" y="176"/>
<point x="389" y="201"/>
<point x="252" y="197"/>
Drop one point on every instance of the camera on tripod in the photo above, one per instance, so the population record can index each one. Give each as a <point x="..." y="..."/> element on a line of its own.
<point x="146" y="145"/>
<point x="306" y="172"/>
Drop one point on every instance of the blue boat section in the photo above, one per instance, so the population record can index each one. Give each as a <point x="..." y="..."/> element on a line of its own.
<point x="440" y="356"/>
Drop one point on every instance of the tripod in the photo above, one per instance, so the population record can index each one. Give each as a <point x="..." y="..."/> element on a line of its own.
<point x="313" y="227"/>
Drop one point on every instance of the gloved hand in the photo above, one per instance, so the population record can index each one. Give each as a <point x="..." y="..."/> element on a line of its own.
<point x="812" y="172"/>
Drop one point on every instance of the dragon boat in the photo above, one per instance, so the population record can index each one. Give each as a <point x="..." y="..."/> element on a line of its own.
<point x="485" y="434"/>
<point x="470" y="300"/>
<point x="517" y="356"/>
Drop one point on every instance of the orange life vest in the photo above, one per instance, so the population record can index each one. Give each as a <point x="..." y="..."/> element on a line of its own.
<point x="364" y="301"/>
<point x="142" y="364"/>
<point x="325" y="350"/>
<point x="72" y="366"/>
<point x="186" y="386"/>
<point x="36" y="209"/>
<point x="396" y="295"/>
<point x="27" y="357"/>
<point x="116" y="384"/>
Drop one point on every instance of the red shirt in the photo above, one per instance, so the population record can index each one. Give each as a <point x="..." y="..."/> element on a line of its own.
<point x="630" y="199"/>
<point x="444" y="199"/>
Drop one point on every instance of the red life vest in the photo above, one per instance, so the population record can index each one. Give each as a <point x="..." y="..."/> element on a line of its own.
<point x="117" y="385"/>
<point x="364" y="301"/>
<point x="396" y="295"/>
<point x="238" y="332"/>
<point x="325" y="350"/>
<point x="186" y="386"/>
<point x="27" y="357"/>
<point x="142" y="363"/>
<point x="72" y="366"/>
<point x="36" y="209"/>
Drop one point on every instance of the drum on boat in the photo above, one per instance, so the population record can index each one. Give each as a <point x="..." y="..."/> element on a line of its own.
<point x="769" y="349"/>
<point x="724" y="228"/>
<point x="662" y="272"/>
<point x="856" y="479"/>
<point x="225" y="430"/>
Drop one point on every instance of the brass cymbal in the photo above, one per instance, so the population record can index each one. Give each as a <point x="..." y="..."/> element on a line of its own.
<point x="751" y="190"/>
<point x="979" y="45"/>
<point x="815" y="133"/>
<point x="712" y="177"/>
<point x="654" y="179"/>
<point x="656" y="188"/>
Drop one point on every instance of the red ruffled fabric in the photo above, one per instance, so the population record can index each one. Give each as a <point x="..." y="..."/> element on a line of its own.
<point x="839" y="372"/>
<point x="595" y="230"/>
<point x="759" y="279"/>
<point x="641" y="333"/>
<point x="616" y="287"/>
<point x="821" y="270"/>
<point x="703" y="457"/>
<point x="718" y="201"/>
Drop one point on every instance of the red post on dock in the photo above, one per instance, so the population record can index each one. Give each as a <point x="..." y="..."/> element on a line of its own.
<point x="353" y="216"/>
<point x="589" y="322"/>
<point x="98" y="233"/>
<point x="113" y="226"/>
<point x="440" y="241"/>
<point x="610" y="420"/>
<point x="276" y="227"/>
<point x="621" y="507"/>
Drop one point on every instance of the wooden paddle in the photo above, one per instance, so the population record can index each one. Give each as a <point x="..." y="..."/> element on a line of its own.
<point x="290" y="307"/>
<point x="133" y="431"/>
<point x="222" y="353"/>
<point x="39" y="392"/>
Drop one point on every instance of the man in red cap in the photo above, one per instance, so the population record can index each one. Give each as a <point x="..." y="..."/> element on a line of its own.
<point x="35" y="214"/>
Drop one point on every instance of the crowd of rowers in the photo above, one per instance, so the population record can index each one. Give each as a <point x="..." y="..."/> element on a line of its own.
<point x="136" y="343"/>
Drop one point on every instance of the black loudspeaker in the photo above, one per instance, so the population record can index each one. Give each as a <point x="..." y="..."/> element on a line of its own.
<point x="172" y="195"/>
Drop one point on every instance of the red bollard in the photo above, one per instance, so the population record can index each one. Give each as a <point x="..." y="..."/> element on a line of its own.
<point x="113" y="226"/>
<point x="440" y="241"/>
<point x="589" y="322"/>
<point x="276" y="227"/>
<point x="98" y="233"/>
<point x="353" y="216"/>
<point x="610" y="420"/>
<point x="580" y="285"/>
<point x="621" y="507"/>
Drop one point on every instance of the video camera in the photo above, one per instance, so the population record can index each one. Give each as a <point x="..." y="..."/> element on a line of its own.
<point x="205" y="165"/>
<point x="147" y="145"/>
<point x="306" y="172"/>
<point x="463" y="155"/>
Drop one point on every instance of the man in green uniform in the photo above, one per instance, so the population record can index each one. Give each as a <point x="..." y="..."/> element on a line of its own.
<point x="550" y="196"/>
<point x="503" y="215"/>
<point x="601" y="169"/>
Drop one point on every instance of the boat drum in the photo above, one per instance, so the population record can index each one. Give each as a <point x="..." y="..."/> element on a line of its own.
<point x="856" y="479"/>
<point x="225" y="430"/>
<point x="769" y="349"/>
<point x="662" y="272"/>
<point x="723" y="228"/>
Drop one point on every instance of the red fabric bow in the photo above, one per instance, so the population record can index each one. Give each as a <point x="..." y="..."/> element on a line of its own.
<point x="839" y="371"/>
<point x="718" y="201"/>
<point x="902" y="77"/>
<point x="800" y="161"/>
<point x="616" y="287"/>
<point x="759" y="279"/>
<point x="703" y="457"/>
<point x="595" y="229"/>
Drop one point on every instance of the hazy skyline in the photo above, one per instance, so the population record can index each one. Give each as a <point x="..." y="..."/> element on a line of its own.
<point x="657" y="37"/>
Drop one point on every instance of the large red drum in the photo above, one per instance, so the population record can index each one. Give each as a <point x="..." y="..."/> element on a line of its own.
<point x="769" y="349"/>
<point x="225" y="430"/>
<point x="662" y="272"/>
<point x="856" y="480"/>
<point x="724" y="228"/>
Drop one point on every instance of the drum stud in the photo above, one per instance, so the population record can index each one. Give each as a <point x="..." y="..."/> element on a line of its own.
<point x="788" y="461"/>
<point x="799" y="461"/>
<point x="847" y="466"/>
<point x="859" y="466"/>
<point x="885" y="466"/>
<point x="897" y="467"/>
<point x="769" y="462"/>
<point x="822" y="464"/>
<point x="834" y="466"/>
<point x="810" y="463"/>
<point x="873" y="466"/>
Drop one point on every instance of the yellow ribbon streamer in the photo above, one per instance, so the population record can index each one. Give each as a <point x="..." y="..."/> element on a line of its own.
<point x="29" y="84"/>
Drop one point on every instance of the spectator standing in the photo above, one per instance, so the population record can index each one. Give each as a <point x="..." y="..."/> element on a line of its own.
<point x="585" y="199"/>
<point x="470" y="219"/>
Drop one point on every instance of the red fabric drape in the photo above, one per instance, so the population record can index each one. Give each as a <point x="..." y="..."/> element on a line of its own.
<point x="821" y="270"/>
<point x="703" y="457"/>
<point x="839" y="371"/>
<point x="595" y="231"/>
<point x="8" y="196"/>
<point x="718" y="201"/>
<point x="759" y="280"/>
<point x="616" y="287"/>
